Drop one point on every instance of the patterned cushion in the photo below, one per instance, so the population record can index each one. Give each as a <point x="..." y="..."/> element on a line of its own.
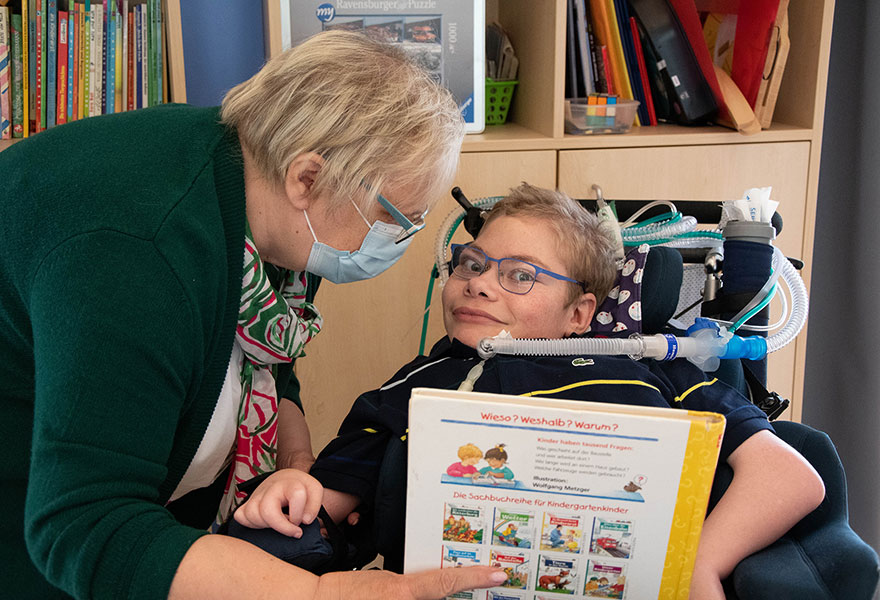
<point x="622" y="309"/>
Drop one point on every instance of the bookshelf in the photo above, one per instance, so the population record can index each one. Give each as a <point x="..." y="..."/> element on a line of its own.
<point x="173" y="63"/>
<point x="379" y="322"/>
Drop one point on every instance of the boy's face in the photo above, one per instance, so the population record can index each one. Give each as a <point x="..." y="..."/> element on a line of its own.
<point x="480" y="307"/>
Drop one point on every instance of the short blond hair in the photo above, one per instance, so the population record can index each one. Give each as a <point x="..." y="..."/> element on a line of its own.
<point x="373" y="115"/>
<point x="586" y="250"/>
<point x="469" y="451"/>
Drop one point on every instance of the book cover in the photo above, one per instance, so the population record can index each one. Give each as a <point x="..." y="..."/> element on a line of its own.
<point x="557" y="574"/>
<point x="464" y="523"/>
<point x="565" y="464"/>
<point x="51" y="73"/>
<point x="447" y="38"/>
<point x="460" y="556"/>
<point x="513" y="527"/>
<point x="18" y="78"/>
<point x="5" y="68"/>
<point x="605" y="579"/>
<point x="516" y="563"/>
<point x="62" y="78"/>
<point x="562" y="532"/>
<point x="612" y="537"/>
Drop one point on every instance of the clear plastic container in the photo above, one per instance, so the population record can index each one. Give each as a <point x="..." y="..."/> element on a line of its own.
<point x="582" y="118"/>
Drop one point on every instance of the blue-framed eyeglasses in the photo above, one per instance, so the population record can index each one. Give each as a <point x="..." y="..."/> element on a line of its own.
<point x="514" y="275"/>
<point x="409" y="228"/>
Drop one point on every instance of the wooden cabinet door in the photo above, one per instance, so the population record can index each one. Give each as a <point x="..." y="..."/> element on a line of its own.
<point x="711" y="173"/>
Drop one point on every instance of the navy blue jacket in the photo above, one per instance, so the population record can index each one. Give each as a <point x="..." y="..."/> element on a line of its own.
<point x="364" y="461"/>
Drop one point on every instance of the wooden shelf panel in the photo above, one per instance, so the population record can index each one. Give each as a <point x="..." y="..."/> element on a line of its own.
<point x="514" y="137"/>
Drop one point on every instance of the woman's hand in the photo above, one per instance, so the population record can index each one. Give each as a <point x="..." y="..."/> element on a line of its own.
<point x="299" y="492"/>
<point x="427" y="585"/>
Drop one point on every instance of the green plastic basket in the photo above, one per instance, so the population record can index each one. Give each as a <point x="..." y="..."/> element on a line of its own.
<point x="498" y="97"/>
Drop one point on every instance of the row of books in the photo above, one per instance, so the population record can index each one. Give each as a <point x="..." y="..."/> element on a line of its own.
<point x="62" y="60"/>
<point x="605" y="55"/>
<point x="671" y="54"/>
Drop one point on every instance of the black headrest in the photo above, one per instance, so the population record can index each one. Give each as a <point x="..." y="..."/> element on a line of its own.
<point x="661" y="287"/>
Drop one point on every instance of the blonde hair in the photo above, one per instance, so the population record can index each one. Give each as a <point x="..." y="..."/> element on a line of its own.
<point x="588" y="253"/>
<point x="371" y="113"/>
<point x="469" y="451"/>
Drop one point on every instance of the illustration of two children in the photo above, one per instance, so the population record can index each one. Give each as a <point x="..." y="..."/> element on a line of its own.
<point x="470" y="455"/>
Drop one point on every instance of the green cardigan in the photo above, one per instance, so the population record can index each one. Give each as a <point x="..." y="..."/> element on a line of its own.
<point x="120" y="276"/>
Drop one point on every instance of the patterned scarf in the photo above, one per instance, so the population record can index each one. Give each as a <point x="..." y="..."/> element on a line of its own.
<point x="273" y="328"/>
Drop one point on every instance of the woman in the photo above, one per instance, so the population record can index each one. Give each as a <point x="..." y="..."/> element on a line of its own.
<point x="124" y="297"/>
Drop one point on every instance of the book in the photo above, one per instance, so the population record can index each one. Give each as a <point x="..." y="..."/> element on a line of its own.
<point x="157" y="40"/>
<point x="39" y="118"/>
<point x="125" y="19"/>
<point x="99" y="73"/>
<point x="586" y="470"/>
<point x="585" y="59"/>
<point x="72" y="55"/>
<point x="643" y="72"/>
<point x="618" y="58"/>
<point x="5" y="71"/>
<point x="51" y="73"/>
<point x="26" y="47"/>
<point x="606" y="579"/>
<point x="18" y="78"/>
<point x="599" y="78"/>
<point x="62" y="78"/>
<point x="110" y="61"/>
<point x="562" y="532"/>
<point x="119" y="72"/>
<point x="86" y="65"/>
<point x="612" y="537"/>
<point x="464" y="523"/>
<point x="131" y="81"/>
<point x="621" y="8"/>
<point x="103" y="65"/>
<point x="149" y="55"/>
<point x="447" y="38"/>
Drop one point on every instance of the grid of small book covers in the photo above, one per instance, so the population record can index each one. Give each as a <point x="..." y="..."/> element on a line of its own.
<point x="62" y="61"/>
<point x="546" y="554"/>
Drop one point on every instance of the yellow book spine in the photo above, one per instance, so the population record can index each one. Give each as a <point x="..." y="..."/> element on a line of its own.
<point x="619" y="60"/>
<point x="697" y="472"/>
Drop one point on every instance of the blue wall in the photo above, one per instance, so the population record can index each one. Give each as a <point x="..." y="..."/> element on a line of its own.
<point x="222" y="46"/>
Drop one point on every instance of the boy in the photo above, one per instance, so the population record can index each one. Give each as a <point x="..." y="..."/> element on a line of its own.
<point x="537" y="269"/>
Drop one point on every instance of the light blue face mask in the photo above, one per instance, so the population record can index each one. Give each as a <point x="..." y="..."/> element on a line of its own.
<point x="378" y="251"/>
